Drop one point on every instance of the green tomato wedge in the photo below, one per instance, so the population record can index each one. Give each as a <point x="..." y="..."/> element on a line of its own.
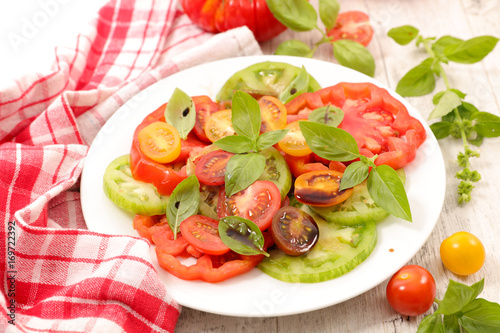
<point x="339" y="250"/>
<point x="129" y="194"/>
<point x="277" y="171"/>
<point x="358" y="208"/>
<point x="209" y="197"/>
<point x="267" y="78"/>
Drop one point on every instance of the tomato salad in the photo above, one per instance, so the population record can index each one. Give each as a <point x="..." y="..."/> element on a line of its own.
<point x="294" y="220"/>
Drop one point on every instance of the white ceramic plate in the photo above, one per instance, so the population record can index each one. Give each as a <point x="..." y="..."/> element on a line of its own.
<point x="255" y="294"/>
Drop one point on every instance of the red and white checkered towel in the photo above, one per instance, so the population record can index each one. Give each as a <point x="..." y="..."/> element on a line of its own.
<point x="56" y="275"/>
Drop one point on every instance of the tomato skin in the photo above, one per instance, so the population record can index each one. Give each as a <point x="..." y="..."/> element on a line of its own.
<point x="218" y="16"/>
<point x="411" y="290"/>
<point x="202" y="233"/>
<point x="462" y="253"/>
<point x="257" y="203"/>
<point x="321" y="188"/>
<point x="353" y="25"/>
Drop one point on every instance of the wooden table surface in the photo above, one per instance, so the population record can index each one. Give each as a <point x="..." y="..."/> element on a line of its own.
<point x="370" y="311"/>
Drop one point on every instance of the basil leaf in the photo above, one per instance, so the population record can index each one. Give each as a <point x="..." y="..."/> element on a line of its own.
<point x="328" y="142"/>
<point x="183" y="202"/>
<point x="298" y="15"/>
<point x="242" y="171"/>
<point x="298" y="86"/>
<point x="457" y="296"/>
<point x="486" y="124"/>
<point x="471" y="50"/>
<point x="387" y="190"/>
<point x="437" y="96"/>
<point x="431" y="324"/>
<point x="354" y="174"/>
<point x="236" y="144"/>
<point x="354" y="55"/>
<point x="245" y="115"/>
<point x="181" y="112"/>
<point x="446" y="104"/>
<point x="267" y="139"/>
<point x="241" y="235"/>
<point x="441" y="129"/>
<point x="481" y="316"/>
<point x="418" y="81"/>
<point x="466" y="110"/>
<point x="451" y="324"/>
<point x="295" y="48"/>
<point x="328" y="115"/>
<point x="328" y="12"/>
<point x="439" y="45"/>
<point x="403" y="35"/>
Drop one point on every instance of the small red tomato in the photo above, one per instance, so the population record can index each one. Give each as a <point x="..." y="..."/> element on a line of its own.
<point x="411" y="291"/>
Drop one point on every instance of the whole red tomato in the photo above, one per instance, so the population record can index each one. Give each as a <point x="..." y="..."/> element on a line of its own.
<point x="221" y="15"/>
<point x="411" y="291"/>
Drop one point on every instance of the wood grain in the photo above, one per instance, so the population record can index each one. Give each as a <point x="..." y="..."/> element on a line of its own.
<point x="370" y="311"/>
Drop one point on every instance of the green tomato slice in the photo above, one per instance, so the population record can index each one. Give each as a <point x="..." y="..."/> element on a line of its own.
<point x="129" y="194"/>
<point x="267" y="78"/>
<point x="358" y="208"/>
<point x="277" y="171"/>
<point x="339" y="250"/>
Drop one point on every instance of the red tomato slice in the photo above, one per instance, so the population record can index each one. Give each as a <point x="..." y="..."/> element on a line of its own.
<point x="321" y="188"/>
<point x="373" y="117"/>
<point x="202" y="233"/>
<point x="211" y="168"/>
<point x="302" y="164"/>
<point x="257" y="203"/>
<point x="204" y="108"/>
<point x="353" y="25"/>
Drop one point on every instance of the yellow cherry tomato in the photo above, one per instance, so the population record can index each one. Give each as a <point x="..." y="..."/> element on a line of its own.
<point x="294" y="142"/>
<point x="462" y="253"/>
<point x="219" y="125"/>
<point x="160" y="142"/>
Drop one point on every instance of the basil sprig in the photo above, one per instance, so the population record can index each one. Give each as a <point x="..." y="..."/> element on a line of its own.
<point x="461" y="309"/>
<point x="183" y="202"/>
<point x="459" y="119"/>
<point x="300" y="15"/>
<point x="384" y="184"/>
<point x="181" y="112"/>
<point x="247" y="165"/>
<point x="241" y="235"/>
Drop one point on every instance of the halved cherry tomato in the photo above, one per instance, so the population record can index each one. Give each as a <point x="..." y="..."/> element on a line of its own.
<point x="211" y="168"/>
<point x="303" y="164"/>
<point x="294" y="231"/>
<point x="411" y="290"/>
<point x="202" y="233"/>
<point x="353" y="25"/>
<point x="273" y="114"/>
<point x="160" y="142"/>
<point x="373" y="117"/>
<point x="257" y="203"/>
<point x="219" y="15"/>
<point x="204" y="108"/>
<point x="321" y="188"/>
<point x="294" y="142"/>
<point x="219" y="125"/>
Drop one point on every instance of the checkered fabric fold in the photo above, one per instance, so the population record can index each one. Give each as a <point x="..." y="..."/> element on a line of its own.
<point x="57" y="276"/>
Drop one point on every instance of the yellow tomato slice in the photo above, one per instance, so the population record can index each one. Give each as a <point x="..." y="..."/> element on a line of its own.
<point x="219" y="125"/>
<point x="273" y="114"/>
<point x="294" y="142"/>
<point x="160" y="142"/>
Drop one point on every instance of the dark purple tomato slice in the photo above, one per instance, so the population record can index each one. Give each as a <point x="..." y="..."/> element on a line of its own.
<point x="294" y="231"/>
